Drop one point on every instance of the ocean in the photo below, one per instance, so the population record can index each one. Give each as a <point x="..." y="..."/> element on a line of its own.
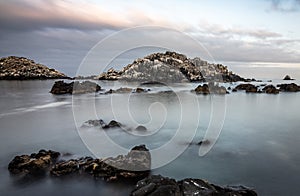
<point x="257" y="135"/>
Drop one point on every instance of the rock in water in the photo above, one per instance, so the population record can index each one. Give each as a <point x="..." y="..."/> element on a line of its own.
<point x="20" y="68"/>
<point x="210" y="88"/>
<point x="249" y="88"/>
<point x="287" y="77"/>
<point x="289" y="87"/>
<point x="270" y="89"/>
<point x="33" y="163"/>
<point x="159" y="185"/>
<point x="61" y="87"/>
<point x="171" y="67"/>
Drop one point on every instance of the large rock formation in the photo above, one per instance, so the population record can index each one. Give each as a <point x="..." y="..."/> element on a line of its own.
<point x="61" y="87"/>
<point x="171" y="67"/>
<point x="159" y="185"/>
<point x="20" y="68"/>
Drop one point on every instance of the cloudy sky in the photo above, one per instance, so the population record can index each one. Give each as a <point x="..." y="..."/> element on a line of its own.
<point x="60" y="33"/>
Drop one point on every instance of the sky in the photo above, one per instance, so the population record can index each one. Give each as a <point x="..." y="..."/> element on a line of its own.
<point x="60" y="33"/>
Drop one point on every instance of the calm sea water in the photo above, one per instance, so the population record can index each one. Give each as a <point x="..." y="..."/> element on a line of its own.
<point x="258" y="145"/>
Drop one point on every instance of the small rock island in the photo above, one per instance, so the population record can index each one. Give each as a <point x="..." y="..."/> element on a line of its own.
<point x="21" y="68"/>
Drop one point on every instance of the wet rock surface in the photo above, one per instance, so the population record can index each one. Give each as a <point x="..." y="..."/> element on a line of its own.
<point x="159" y="185"/>
<point x="33" y="163"/>
<point x="135" y="165"/>
<point x="61" y="87"/>
<point x="171" y="67"/>
<point x="210" y="88"/>
<point x="21" y="68"/>
<point x="289" y="87"/>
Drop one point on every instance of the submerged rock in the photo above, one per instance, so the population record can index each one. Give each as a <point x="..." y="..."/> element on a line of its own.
<point x="141" y="128"/>
<point x="171" y="67"/>
<point x="61" y="87"/>
<point x="159" y="185"/>
<point x="21" y="68"/>
<point x="34" y="163"/>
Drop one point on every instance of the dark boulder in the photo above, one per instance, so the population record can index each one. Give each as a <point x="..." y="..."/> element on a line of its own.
<point x="141" y="128"/>
<point x="287" y="77"/>
<point x="289" y="87"/>
<point x="270" y="89"/>
<point x="159" y="185"/>
<point x="210" y="88"/>
<point x="112" y="124"/>
<point x="34" y="163"/>
<point x="61" y="87"/>
<point x="249" y="88"/>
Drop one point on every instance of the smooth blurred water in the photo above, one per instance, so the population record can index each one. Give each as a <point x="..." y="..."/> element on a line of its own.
<point x="258" y="145"/>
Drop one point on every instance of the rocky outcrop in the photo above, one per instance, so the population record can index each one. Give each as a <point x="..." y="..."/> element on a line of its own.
<point x="102" y="124"/>
<point x="171" y="67"/>
<point x="136" y="164"/>
<point x="249" y="88"/>
<point x="20" y="68"/>
<point x="61" y="87"/>
<point x="33" y="163"/>
<point x="210" y="88"/>
<point x="126" y="90"/>
<point x="289" y="87"/>
<point x="270" y="89"/>
<point x="159" y="185"/>
<point x="287" y="77"/>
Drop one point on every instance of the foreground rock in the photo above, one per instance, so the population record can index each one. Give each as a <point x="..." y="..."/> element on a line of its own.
<point x="20" y="68"/>
<point x="289" y="87"/>
<point x="33" y="163"/>
<point x="171" y="67"/>
<point x="159" y="185"/>
<point x="136" y="164"/>
<point x="210" y="88"/>
<point x="61" y="87"/>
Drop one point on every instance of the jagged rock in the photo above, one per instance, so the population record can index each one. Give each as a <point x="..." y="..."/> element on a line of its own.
<point x="61" y="87"/>
<point x="210" y="88"/>
<point x="249" y="88"/>
<point x="94" y="123"/>
<point x="289" y="87"/>
<point x="270" y="89"/>
<point x="159" y="185"/>
<point x="36" y="162"/>
<point x="21" y="68"/>
<point x="171" y="67"/>
<point x="135" y="165"/>
<point x="287" y="77"/>
<point x="112" y="124"/>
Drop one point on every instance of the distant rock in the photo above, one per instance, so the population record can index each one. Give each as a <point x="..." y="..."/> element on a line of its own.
<point x="61" y="87"/>
<point x="159" y="185"/>
<point x="287" y="77"/>
<point x="126" y="90"/>
<point x="141" y="128"/>
<point x="171" y="67"/>
<point x="249" y="88"/>
<point x="210" y="88"/>
<point x="21" y="68"/>
<point x="289" y="87"/>
<point x="270" y="89"/>
<point x="102" y="124"/>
